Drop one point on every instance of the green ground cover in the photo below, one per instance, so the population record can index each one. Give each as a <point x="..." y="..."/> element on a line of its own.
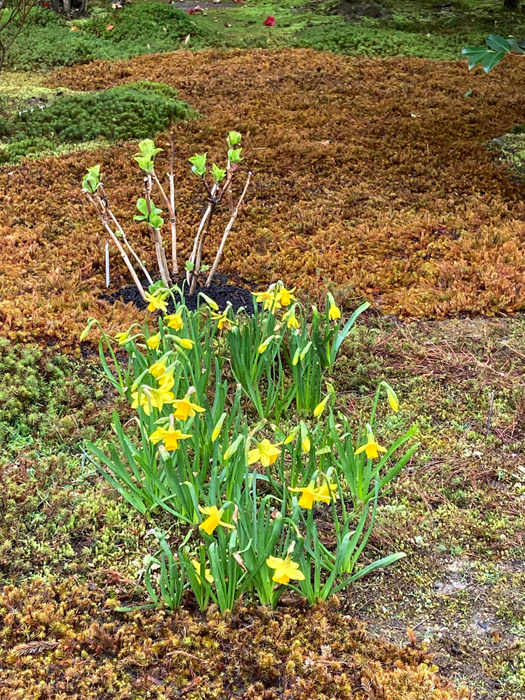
<point x="372" y="28"/>
<point x="51" y="121"/>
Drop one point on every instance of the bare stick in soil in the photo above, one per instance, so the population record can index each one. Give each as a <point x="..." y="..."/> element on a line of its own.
<point x="196" y="242"/>
<point x="157" y="238"/>
<point x="227" y="230"/>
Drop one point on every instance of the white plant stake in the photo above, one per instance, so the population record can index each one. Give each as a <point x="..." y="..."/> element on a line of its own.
<point x="108" y="278"/>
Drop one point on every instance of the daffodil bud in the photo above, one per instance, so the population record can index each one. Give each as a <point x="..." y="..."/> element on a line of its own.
<point x="218" y="427"/>
<point x="392" y="397"/>
<point x="321" y="406"/>
<point x="209" y="301"/>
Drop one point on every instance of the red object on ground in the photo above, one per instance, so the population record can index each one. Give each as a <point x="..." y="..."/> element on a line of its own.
<point x="269" y="21"/>
<point x="109" y="27"/>
<point x="195" y="10"/>
<point x="48" y="4"/>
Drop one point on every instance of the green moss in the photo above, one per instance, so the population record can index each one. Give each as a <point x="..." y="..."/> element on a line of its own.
<point x="510" y="150"/>
<point x="39" y="394"/>
<point x="133" y="111"/>
<point x="49" y="40"/>
<point x="373" y="28"/>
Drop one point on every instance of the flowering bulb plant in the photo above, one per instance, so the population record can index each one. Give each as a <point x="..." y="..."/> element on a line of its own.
<point x="218" y="184"/>
<point x="248" y="464"/>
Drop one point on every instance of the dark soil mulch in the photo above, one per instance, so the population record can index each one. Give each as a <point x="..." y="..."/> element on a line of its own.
<point x="221" y="291"/>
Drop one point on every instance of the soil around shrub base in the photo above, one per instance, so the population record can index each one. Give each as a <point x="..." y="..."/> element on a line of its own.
<point x="221" y="291"/>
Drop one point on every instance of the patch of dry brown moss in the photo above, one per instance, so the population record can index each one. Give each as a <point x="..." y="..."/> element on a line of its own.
<point x="369" y="174"/>
<point x="66" y="641"/>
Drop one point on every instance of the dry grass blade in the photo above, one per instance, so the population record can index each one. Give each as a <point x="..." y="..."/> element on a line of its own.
<point x="34" y="648"/>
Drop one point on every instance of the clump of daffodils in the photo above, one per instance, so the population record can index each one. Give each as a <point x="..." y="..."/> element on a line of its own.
<point x="247" y="489"/>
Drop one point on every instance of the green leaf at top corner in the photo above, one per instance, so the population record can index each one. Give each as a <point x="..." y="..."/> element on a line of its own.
<point x="142" y="206"/>
<point x="198" y="164"/>
<point x="91" y="180"/>
<point x="234" y="155"/>
<point x="233" y="139"/>
<point x="475" y="55"/>
<point x="498" y="43"/>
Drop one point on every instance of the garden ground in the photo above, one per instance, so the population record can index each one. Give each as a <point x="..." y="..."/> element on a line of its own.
<point x="372" y="177"/>
<point x="457" y="512"/>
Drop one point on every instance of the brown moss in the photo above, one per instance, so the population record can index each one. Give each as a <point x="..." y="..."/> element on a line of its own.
<point x="369" y="174"/>
<point x="65" y="641"/>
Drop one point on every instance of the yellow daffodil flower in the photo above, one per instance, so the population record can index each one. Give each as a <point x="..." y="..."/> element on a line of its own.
<point x="207" y="572"/>
<point x="268" y="299"/>
<point x="291" y="321"/>
<point x="306" y="444"/>
<point x="308" y="494"/>
<point x="166" y="381"/>
<point x="213" y="520"/>
<point x="153" y="341"/>
<point x="325" y="493"/>
<point x="146" y="397"/>
<point x="185" y="409"/>
<point x="334" y="313"/>
<point x="312" y="494"/>
<point x="265" y="453"/>
<point x="175" y="321"/>
<point x="157" y="369"/>
<point x="157" y="302"/>
<point x="170" y="437"/>
<point x="122" y="338"/>
<point x="285" y="569"/>
<point x="372" y="448"/>
<point x="223" y="322"/>
<point x="140" y="399"/>
<point x="285" y="296"/>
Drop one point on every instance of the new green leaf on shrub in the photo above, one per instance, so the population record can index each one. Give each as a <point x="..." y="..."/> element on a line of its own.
<point x="218" y="173"/>
<point x="198" y="162"/>
<point x="151" y="215"/>
<point x="146" y="156"/>
<point x="91" y="181"/>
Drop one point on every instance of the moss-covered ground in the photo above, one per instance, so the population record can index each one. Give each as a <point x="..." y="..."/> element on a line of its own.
<point x="364" y="178"/>
<point x="457" y="513"/>
<point x="423" y="28"/>
<point x="372" y="178"/>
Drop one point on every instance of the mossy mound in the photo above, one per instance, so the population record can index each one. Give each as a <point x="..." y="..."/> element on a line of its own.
<point x="66" y="641"/>
<point x="132" y="111"/>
